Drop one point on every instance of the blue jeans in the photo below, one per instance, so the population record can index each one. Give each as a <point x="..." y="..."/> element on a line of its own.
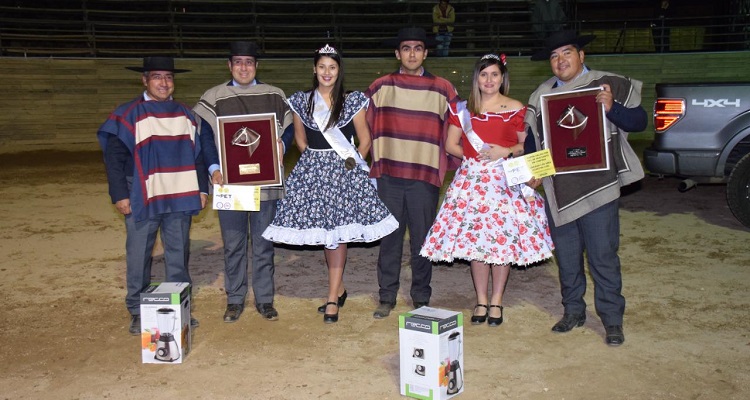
<point x="444" y="43"/>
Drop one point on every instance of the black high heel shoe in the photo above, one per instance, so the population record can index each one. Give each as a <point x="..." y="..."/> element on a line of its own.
<point x="331" y="318"/>
<point x="479" y="319"/>
<point x="495" y="321"/>
<point x="340" y="303"/>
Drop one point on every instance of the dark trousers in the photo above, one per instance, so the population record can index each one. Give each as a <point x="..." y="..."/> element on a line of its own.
<point x="234" y="232"/>
<point x="598" y="234"/>
<point x="141" y="237"/>
<point x="414" y="205"/>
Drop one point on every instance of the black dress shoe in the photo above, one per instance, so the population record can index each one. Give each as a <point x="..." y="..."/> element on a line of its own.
<point x="418" y="304"/>
<point x="383" y="310"/>
<point x="331" y="318"/>
<point x="568" y="322"/>
<point x="194" y="323"/>
<point x="340" y="302"/>
<point x="267" y="311"/>
<point x="135" y="325"/>
<point x="492" y="321"/>
<point x="479" y="319"/>
<point x="233" y="312"/>
<point x="615" y="336"/>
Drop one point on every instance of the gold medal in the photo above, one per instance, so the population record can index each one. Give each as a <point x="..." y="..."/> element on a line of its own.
<point x="350" y="163"/>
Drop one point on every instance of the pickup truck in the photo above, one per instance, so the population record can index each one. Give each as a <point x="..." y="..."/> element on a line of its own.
<point x="702" y="134"/>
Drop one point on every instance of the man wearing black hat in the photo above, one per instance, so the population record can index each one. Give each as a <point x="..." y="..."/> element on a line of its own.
<point x="244" y="94"/>
<point x="407" y="114"/>
<point x="584" y="206"/>
<point x="157" y="184"/>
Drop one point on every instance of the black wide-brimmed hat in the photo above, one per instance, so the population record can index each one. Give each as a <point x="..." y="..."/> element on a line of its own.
<point x="560" y="39"/>
<point x="244" y="48"/>
<point x="410" y="33"/>
<point x="158" y="63"/>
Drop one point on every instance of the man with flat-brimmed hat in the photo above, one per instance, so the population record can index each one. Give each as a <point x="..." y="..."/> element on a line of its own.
<point x="157" y="178"/>
<point x="407" y="114"/>
<point x="583" y="207"/>
<point x="244" y="94"/>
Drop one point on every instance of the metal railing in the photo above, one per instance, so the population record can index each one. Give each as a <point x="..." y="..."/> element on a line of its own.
<point x="283" y="28"/>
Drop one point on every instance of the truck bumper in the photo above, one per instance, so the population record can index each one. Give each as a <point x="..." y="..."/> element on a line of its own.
<point x="660" y="162"/>
<point x="697" y="165"/>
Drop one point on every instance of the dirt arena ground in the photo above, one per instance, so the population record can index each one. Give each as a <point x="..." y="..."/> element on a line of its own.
<point x="64" y="325"/>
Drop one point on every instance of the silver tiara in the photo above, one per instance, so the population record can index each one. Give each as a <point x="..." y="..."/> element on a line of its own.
<point x="327" y="49"/>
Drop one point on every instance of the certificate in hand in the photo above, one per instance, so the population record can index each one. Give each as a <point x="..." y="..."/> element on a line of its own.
<point x="537" y="165"/>
<point x="236" y="198"/>
<point x="575" y="131"/>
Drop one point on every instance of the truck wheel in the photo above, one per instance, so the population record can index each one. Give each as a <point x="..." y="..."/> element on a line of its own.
<point x="738" y="190"/>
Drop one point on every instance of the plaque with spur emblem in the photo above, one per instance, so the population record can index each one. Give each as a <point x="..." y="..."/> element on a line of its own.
<point x="248" y="149"/>
<point x="575" y="131"/>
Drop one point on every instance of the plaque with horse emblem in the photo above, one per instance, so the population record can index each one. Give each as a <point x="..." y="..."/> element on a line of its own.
<point x="575" y="131"/>
<point x="249" y="150"/>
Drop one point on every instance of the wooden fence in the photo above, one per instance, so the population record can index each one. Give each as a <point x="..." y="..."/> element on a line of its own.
<point x="60" y="103"/>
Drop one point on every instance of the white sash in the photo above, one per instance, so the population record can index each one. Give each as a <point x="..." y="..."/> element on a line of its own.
<point x="465" y="118"/>
<point x="478" y="144"/>
<point x="334" y="136"/>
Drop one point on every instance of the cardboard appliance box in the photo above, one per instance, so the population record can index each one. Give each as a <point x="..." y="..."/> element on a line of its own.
<point x="431" y="352"/>
<point x="165" y="323"/>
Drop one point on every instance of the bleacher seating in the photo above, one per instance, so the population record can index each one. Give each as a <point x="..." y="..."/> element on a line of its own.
<point x="290" y="28"/>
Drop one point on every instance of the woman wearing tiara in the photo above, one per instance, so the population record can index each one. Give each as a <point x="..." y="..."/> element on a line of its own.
<point x="330" y="200"/>
<point x="483" y="219"/>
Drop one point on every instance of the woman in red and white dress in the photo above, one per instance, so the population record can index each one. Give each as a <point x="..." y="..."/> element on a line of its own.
<point x="483" y="219"/>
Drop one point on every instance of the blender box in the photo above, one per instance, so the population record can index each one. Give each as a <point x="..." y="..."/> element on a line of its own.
<point x="165" y="323"/>
<point x="431" y="353"/>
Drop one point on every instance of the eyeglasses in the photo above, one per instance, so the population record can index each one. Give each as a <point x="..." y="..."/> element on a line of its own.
<point x="247" y="63"/>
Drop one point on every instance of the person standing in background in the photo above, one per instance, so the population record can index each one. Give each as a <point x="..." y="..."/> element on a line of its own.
<point x="659" y="28"/>
<point x="547" y="16"/>
<point x="443" y="16"/>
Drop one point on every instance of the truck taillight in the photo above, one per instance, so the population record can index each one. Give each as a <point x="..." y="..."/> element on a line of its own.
<point x="667" y="112"/>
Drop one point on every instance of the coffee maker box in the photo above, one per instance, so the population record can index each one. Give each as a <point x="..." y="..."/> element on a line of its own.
<point x="431" y="352"/>
<point x="165" y="323"/>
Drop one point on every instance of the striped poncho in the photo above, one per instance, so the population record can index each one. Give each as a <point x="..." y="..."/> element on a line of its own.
<point x="161" y="138"/>
<point x="407" y="116"/>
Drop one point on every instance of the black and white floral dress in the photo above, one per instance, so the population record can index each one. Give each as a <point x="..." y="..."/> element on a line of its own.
<point x="326" y="204"/>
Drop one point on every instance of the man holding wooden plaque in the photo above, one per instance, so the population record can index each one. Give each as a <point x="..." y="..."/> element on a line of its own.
<point x="583" y="116"/>
<point x="247" y="116"/>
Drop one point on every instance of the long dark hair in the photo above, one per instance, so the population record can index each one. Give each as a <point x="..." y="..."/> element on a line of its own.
<point x="474" y="98"/>
<point x="338" y="94"/>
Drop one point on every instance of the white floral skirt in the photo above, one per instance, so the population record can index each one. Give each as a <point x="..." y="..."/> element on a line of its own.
<point x="484" y="219"/>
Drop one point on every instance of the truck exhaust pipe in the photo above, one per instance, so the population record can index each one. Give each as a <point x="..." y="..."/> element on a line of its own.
<point x="686" y="185"/>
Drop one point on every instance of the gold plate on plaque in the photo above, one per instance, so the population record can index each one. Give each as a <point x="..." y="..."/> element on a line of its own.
<point x="249" y="169"/>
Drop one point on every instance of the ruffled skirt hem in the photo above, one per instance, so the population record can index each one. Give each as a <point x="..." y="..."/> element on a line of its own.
<point x="331" y="238"/>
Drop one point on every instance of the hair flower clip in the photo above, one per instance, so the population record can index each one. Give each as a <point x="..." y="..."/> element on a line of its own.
<point x="500" y="58"/>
